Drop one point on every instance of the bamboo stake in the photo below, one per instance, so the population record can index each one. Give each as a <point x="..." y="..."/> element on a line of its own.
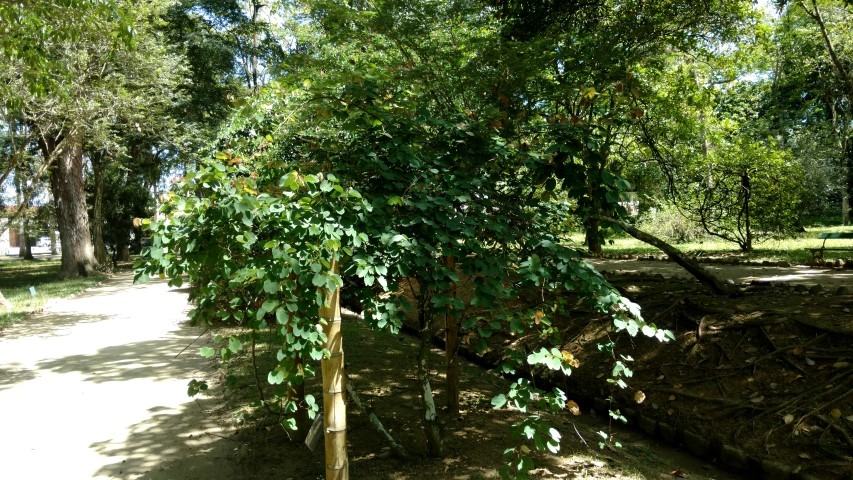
<point x="334" y="406"/>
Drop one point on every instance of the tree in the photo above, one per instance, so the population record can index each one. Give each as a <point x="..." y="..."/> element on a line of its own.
<point x="91" y="80"/>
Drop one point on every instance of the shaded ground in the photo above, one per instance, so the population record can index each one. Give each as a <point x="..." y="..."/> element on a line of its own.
<point x="95" y="387"/>
<point x="768" y="372"/>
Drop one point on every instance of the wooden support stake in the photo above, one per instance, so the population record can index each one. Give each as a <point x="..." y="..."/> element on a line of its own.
<point x="334" y="406"/>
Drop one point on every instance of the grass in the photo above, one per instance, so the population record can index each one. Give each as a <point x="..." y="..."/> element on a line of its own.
<point x="17" y="276"/>
<point x="793" y="250"/>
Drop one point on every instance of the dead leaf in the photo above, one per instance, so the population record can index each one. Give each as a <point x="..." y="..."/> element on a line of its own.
<point x="678" y="473"/>
<point x="810" y="362"/>
<point x="798" y="350"/>
<point x="573" y="407"/>
<point x="677" y="386"/>
<point x="639" y="396"/>
<point x="525" y="449"/>
<point x="805" y="456"/>
<point x="757" y="399"/>
<point x="788" y="418"/>
<point x="661" y="377"/>
<point x="537" y="318"/>
<point x="840" y="364"/>
<point x="671" y="398"/>
<point x="835" y="413"/>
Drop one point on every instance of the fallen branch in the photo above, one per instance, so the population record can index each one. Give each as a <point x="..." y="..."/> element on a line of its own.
<point x="398" y="449"/>
<point x="706" y="278"/>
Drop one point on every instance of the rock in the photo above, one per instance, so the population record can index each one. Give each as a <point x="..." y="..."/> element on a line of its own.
<point x="696" y="444"/>
<point x="733" y="458"/>
<point x="839" y="263"/>
<point x="775" y="470"/>
<point x="783" y="264"/>
<point x="601" y="405"/>
<point x="816" y="289"/>
<point x="648" y="425"/>
<point x="801" y="288"/>
<point x="843" y="290"/>
<point x="668" y="432"/>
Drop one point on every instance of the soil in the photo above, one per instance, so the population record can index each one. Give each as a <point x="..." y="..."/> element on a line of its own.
<point x="95" y="387"/>
<point x="766" y="372"/>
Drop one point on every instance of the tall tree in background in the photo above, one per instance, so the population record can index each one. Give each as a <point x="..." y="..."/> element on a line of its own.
<point x="90" y="81"/>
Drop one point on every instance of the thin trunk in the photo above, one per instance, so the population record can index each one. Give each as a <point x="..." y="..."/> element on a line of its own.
<point x="98" y="208"/>
<point x="77" y="256"/>
<point x="296" y="393"/>
<point x="432" y="430"/>
<point x="712" y="283"/>
<point x="451" y="345"/>
<point x="334" y="397"/>
<point x="26" y="249"/>
<point x="747" y="199"/>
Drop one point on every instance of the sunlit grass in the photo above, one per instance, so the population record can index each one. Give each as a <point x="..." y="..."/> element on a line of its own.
<point x="793" y="250"/>
<point x="17" y="276"/>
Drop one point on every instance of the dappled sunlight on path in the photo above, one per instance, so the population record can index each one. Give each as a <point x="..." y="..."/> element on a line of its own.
<point x="95" y="387"/>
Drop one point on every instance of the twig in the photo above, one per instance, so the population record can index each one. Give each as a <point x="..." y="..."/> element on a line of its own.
<point x="191" y="343"/>
<point x="844" y="395"/>
<point x="834" y="426"/>
<point x="696" y="396"/>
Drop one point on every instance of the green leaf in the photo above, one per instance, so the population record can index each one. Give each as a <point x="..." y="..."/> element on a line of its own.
<point x="207" y="352"/>
<point x="499" y="401"/>
<point x="235" y="345"/>
<point x="318" y="280"/>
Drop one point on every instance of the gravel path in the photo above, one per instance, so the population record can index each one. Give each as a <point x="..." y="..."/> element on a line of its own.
<point x="95" y="387"/>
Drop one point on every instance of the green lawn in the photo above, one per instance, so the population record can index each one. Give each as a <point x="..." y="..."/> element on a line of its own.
<point x="790" y="249"/>
<point x="17" y="276"/>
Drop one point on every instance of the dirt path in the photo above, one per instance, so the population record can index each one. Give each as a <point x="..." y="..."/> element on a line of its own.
<point x="94" y="387"/>
<point x="794" y="275"/>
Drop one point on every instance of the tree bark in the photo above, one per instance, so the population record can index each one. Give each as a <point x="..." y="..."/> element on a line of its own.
<point x="98" y="209"/>
<point x="706" y="278"/>
<point x="451" y="346"/>
<point x="432" y="429"/>
<point x="78" y="259"/>
<point x="334" y="396"/>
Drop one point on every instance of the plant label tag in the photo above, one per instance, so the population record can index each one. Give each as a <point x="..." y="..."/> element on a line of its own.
<point x="315" y="432"/>
<point x="32" y="291"/>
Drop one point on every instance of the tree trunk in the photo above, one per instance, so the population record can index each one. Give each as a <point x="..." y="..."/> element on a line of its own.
<point x="53" y="219"/>
<point x="296" y="393"/>
<point x="432" y="430"/>
<point x="26" y="249"/>
<point x="77" y="256"/>
<point x="747" y="199"/>
<point x="712" y="283"/>
<point x="592" y="235"/>
<point x="451" y="345"/>
<point x="334" y="406"/>
<point x="98" y="209"/>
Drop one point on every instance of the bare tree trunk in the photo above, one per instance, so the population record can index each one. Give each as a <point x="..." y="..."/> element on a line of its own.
<point x="98" y="209"/>
<point x="432" y="429"/>
<point x="451" y="345"/>
<point x="712" y="283"/>
<point x="77" y="256"/>
<point x="334" y="397"/>
<point x="26" y="249"/>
